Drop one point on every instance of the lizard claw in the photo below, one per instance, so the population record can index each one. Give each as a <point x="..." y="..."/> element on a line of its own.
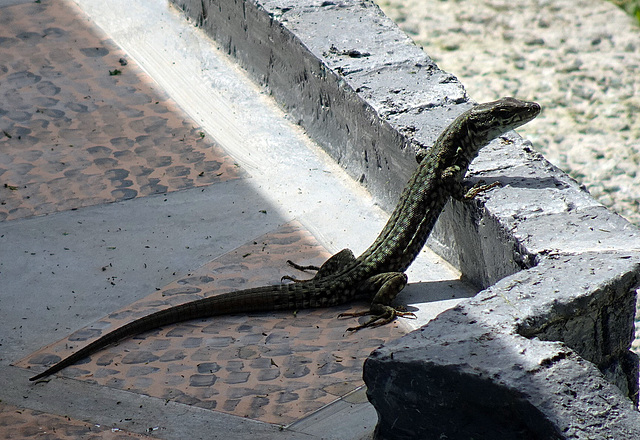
<point x="302" y="268"/>
<point x="378" y="319"/>
<point x="479" y="188"/>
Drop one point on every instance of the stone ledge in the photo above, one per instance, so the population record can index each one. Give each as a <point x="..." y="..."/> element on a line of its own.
<point x="345" y="72"/>
<point x="560" y="266"/>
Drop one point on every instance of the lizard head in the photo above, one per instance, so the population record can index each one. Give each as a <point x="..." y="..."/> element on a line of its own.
<point x="491" y="119"/>
<point x="485" y="122"/>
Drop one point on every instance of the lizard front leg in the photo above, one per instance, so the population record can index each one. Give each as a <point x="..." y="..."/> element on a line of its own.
<point x="387" y="286"/>
<point x="451" y="177"/>
<point x="476" y="189"/>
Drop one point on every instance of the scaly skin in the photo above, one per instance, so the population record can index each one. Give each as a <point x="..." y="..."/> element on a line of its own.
<point x="379" y="272"/>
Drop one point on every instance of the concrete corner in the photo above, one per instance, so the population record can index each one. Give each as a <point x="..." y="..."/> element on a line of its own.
<point x="543" y="353"/>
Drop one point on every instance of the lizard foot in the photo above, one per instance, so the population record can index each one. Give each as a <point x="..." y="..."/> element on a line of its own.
<point x="478" y="188"/>
<point x="302" y="268"/>
<point x="290" y="278"/>
<point x="381" y="316"/>
<point x="335" y="264"/>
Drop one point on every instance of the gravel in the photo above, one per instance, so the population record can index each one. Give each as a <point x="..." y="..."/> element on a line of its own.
<point x="580" y="60"/>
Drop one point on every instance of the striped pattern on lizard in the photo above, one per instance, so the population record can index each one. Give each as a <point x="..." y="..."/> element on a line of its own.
<point x="378" y="273"/>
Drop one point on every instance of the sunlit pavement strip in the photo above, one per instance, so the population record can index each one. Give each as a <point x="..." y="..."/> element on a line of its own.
<point x="25" y="424"/>
<point x="115" y="203"/>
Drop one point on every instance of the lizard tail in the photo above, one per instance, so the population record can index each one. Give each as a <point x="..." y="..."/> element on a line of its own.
<point x="257" y="299"/>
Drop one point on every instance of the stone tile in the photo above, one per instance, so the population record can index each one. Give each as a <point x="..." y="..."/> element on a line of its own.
<point x="81" y="124"/>
<point x="274" y="367"/>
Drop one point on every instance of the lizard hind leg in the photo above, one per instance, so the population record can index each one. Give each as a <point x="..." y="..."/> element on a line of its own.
<point x="301" y="269"/>
<point x="333" y="265"/>
<point x="386" y="286"/>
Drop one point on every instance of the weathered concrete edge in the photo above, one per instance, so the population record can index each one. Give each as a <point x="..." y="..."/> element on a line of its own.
<point x="365" y="93"/>
<point x="345" y="73"/>
<point x="473" y="364"/>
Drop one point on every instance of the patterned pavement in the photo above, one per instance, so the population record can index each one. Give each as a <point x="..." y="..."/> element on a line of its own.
<point x="80" y="124"/>
<point x="275" y="368"/>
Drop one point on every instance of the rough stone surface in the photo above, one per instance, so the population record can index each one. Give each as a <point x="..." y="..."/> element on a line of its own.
<point x="441" y="385"/>
<point x="481" y="370"/>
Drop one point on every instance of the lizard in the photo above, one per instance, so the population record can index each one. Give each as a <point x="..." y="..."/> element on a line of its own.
<point x="378" y="273"/>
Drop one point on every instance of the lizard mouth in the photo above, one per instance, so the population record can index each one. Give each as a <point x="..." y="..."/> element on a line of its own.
<point x="528" y="111"/>
<point x="531" y="108"/>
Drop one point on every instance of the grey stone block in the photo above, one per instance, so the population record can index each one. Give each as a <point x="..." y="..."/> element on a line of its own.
<point x="513" y="362"/>
<point x="480" y="384"/>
